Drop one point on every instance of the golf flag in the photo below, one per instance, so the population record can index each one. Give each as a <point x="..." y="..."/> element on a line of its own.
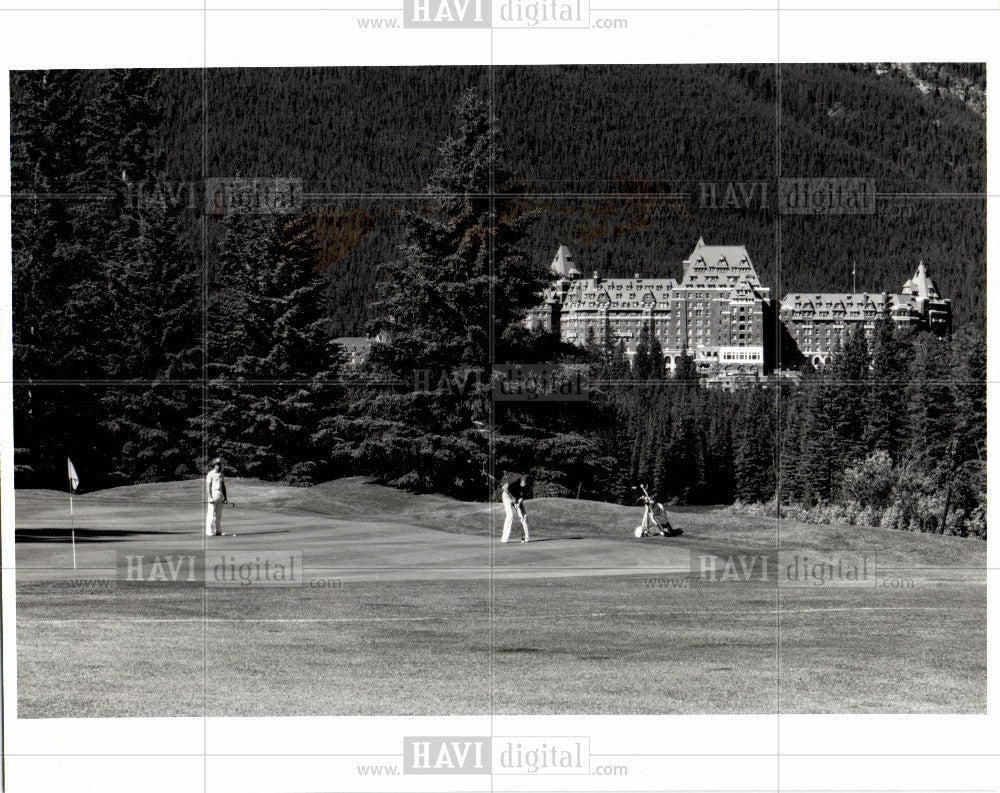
<point x="74" y="480"/>
<point x="74" y="483"/>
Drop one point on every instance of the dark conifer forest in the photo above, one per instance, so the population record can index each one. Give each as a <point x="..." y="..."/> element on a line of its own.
<point x="149" y="335"/>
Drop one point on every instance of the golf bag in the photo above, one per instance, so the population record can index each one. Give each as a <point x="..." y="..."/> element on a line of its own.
<point x="654" y="521"/>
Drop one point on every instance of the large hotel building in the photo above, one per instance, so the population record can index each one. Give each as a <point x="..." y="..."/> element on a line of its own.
<point x="720" y="314"/>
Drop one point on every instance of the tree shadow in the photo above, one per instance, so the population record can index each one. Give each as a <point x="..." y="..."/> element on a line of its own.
<point x="83" y="534"/>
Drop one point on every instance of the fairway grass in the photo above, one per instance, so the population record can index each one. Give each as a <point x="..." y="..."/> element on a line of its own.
<point x="420" y="614"/>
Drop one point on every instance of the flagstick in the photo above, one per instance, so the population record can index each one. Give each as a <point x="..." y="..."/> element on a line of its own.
<point x="72" y="527"/>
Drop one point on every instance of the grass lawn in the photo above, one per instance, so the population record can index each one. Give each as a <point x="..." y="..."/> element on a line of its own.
<point x="409" y="608"/>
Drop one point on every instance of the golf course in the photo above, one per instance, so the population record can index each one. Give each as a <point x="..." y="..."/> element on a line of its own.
<point x="409" y="604"/>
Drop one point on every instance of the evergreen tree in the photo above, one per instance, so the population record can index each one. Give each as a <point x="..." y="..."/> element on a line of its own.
<point x="718" y="466"/>
<point x="656" y="368"/>
<point x="790" y="444"/>
<point x="969" y="393"/>
<point x="753" y="447"/>
<point x="47" y="164"/>
<point x="819" y="442"/>
<point x="619" y="366"/>
<point x="636" y="459"/>
<point x="103" y="278"/>
<point x="460" y="258"/>
<point x="647" y="459"/>
<point x="847" y="392"/>
<point x="151" y="280"/>
<point x="885" y="405"/>
<point x="660" y="473"/>
<point x="930" y="406"/>
<point x="271" y="363"/>
<point x="642" y="367"/>
<point x="683" y="475"/>
<point x="685" y="369"/>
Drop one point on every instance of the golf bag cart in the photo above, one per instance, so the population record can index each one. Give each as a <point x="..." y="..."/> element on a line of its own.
<point x="654" y="521"/>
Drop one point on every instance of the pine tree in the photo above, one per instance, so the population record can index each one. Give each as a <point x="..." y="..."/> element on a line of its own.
<point x="685" y="370"/>
<point x="636" y="459"/>
<point x="150" y="279"/>
<point x="847" y="376"/>
<point x="660" y="473"/>
<point x="103" y="287"/>
<point x="47" y="165"/>
<point x="791" y="484"/>
<point x="682" y="476"/>
<point x="461" y="258"/>
<point x="753" y="447"/>
<point x="930" y="408"/>
<point x="969" y="393"/>
<point x="719" y="476"/>
<point x="656" y="367"/>
<point x="647" y="459"/>
<point x="619" y="366"/>
<point x="885" y="404"/>
<point x="641" y="364"/>
<point x="818" y="439"/>
<point x="271" y="363"/>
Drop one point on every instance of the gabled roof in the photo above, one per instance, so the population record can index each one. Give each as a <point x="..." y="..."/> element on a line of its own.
<point x="921" y="284"/>
<point x="719" y="266"/>
<point x="562" y="264"/>
<point x="623" y="292"/>
<point x="851" y="304"/>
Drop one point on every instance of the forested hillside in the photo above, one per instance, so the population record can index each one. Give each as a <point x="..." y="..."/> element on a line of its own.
<point x="130" y="361"/>
<point x="576" y="137"/>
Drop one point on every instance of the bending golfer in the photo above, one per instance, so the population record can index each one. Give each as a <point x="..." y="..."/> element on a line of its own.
<point x="215" y="497"/>
<point x="513" y="501"/>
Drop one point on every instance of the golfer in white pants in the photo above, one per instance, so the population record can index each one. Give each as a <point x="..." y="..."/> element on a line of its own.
<point x="215" y="497"/>
<point x="513" y="497"/>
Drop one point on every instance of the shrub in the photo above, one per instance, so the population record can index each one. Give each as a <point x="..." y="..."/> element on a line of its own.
<point x="550" y="490"/>
<point x="871" y="482"/>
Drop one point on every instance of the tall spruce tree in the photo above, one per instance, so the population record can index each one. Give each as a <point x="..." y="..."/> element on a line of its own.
<point x="818" y="440"/>
<point x="656" y="367"/>
<point x="848" y="378"/>
<point x="685" y="369"/>
<point x="48" y="181"/>
<point x="885" y="409"/>
<point x="641" y="363"/>
<point x="969" y="389"/>
<point x="930" y="404"/>
<point x="271" y="362"/>
<point x="445" y="310"/>
<point x="462" y="262"/>
<point x="790" y="444"/>
<point x="49" y="189"/>
<point x="151" y="279"/>
<point x="102" y="282"/>
<point x="753" y="447"/>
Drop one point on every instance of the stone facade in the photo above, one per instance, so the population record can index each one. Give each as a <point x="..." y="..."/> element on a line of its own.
<point x="720" y="314"/>
<point x="820" y="323"/>
<point x="715" y="313"/>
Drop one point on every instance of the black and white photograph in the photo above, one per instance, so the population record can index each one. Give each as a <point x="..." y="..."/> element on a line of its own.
<point x="410" y="395"/>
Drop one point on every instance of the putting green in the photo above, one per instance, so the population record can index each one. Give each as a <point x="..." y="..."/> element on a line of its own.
<point x="411" y="605"/>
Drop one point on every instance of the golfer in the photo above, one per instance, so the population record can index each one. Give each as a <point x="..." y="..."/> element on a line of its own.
<point x="215" y="497"/>
<point x="513" y="500"/>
